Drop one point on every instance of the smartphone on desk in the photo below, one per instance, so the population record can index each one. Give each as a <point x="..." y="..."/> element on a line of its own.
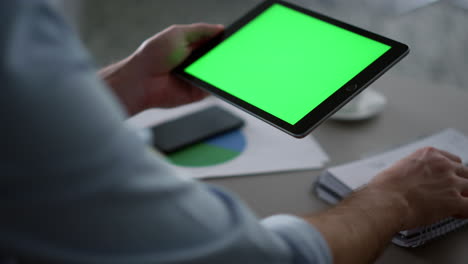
<point x="192" y="128"/>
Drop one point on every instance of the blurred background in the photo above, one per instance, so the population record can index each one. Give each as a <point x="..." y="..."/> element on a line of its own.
<point x="435" y="30"/>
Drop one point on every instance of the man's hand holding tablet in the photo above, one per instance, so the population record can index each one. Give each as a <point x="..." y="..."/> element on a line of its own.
<point x="289" y="66"/>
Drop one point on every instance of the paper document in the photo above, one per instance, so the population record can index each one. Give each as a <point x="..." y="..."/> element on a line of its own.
<point x="398" y="7"/>
<point x="459" y="3"/>
<point x="363" y="170"/>
<point x="267" y="149"/>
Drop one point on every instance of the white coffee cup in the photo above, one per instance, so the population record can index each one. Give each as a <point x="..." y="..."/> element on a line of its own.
<point x="367" y="104"/>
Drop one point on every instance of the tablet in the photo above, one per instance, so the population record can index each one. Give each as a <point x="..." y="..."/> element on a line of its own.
<point x="289" y="66"/>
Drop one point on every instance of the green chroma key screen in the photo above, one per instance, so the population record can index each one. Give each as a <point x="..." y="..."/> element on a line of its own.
<point x="286" y="62"/>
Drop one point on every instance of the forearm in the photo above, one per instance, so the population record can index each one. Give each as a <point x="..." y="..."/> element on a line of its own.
<point x="360" y="227"/>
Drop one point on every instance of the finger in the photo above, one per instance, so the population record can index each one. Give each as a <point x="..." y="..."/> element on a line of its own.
<point x="463" y="209"/>
<point x="200" y="32"/>
<point x="188" y="93"/>
<point x="462" y="170"/>
<point x="464" y="193"/>
<point x="450" y="156"/>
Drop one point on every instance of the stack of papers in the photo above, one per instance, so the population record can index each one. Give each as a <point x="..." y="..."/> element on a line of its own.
<point x="339" y="181"/>
<point x="267" y="149"/>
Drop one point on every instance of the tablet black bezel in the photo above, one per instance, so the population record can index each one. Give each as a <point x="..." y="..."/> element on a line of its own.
<point x="326" y="108"/>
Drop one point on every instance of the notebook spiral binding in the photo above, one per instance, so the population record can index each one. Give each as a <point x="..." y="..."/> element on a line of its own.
<point x="438" y="229"/>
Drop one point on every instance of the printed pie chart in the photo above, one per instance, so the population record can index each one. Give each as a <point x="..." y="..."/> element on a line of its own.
<point x="213" y="151"/>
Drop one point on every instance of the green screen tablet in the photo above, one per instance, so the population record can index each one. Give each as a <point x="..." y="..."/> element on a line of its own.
<point x="289" y="66"/>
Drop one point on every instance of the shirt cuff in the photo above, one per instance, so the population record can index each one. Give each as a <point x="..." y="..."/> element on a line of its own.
<point x="306" y="243"/>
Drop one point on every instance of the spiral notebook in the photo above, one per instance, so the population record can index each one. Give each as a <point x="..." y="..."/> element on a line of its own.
<point x="339" y="181"/>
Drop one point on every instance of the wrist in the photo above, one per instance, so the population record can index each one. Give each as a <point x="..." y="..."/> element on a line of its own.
<point x="123" y="78"/>
<point x="369" y="218"/>
<point x="394" y="202"/>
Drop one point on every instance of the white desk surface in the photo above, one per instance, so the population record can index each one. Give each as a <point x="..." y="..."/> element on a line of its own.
<point x="415" y="108"/>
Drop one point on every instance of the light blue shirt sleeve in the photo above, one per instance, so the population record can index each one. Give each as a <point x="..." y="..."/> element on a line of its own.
<point x="78" y="186"/>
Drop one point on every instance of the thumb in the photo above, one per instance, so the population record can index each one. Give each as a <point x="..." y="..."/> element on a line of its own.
<point x="199" y="33"/>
